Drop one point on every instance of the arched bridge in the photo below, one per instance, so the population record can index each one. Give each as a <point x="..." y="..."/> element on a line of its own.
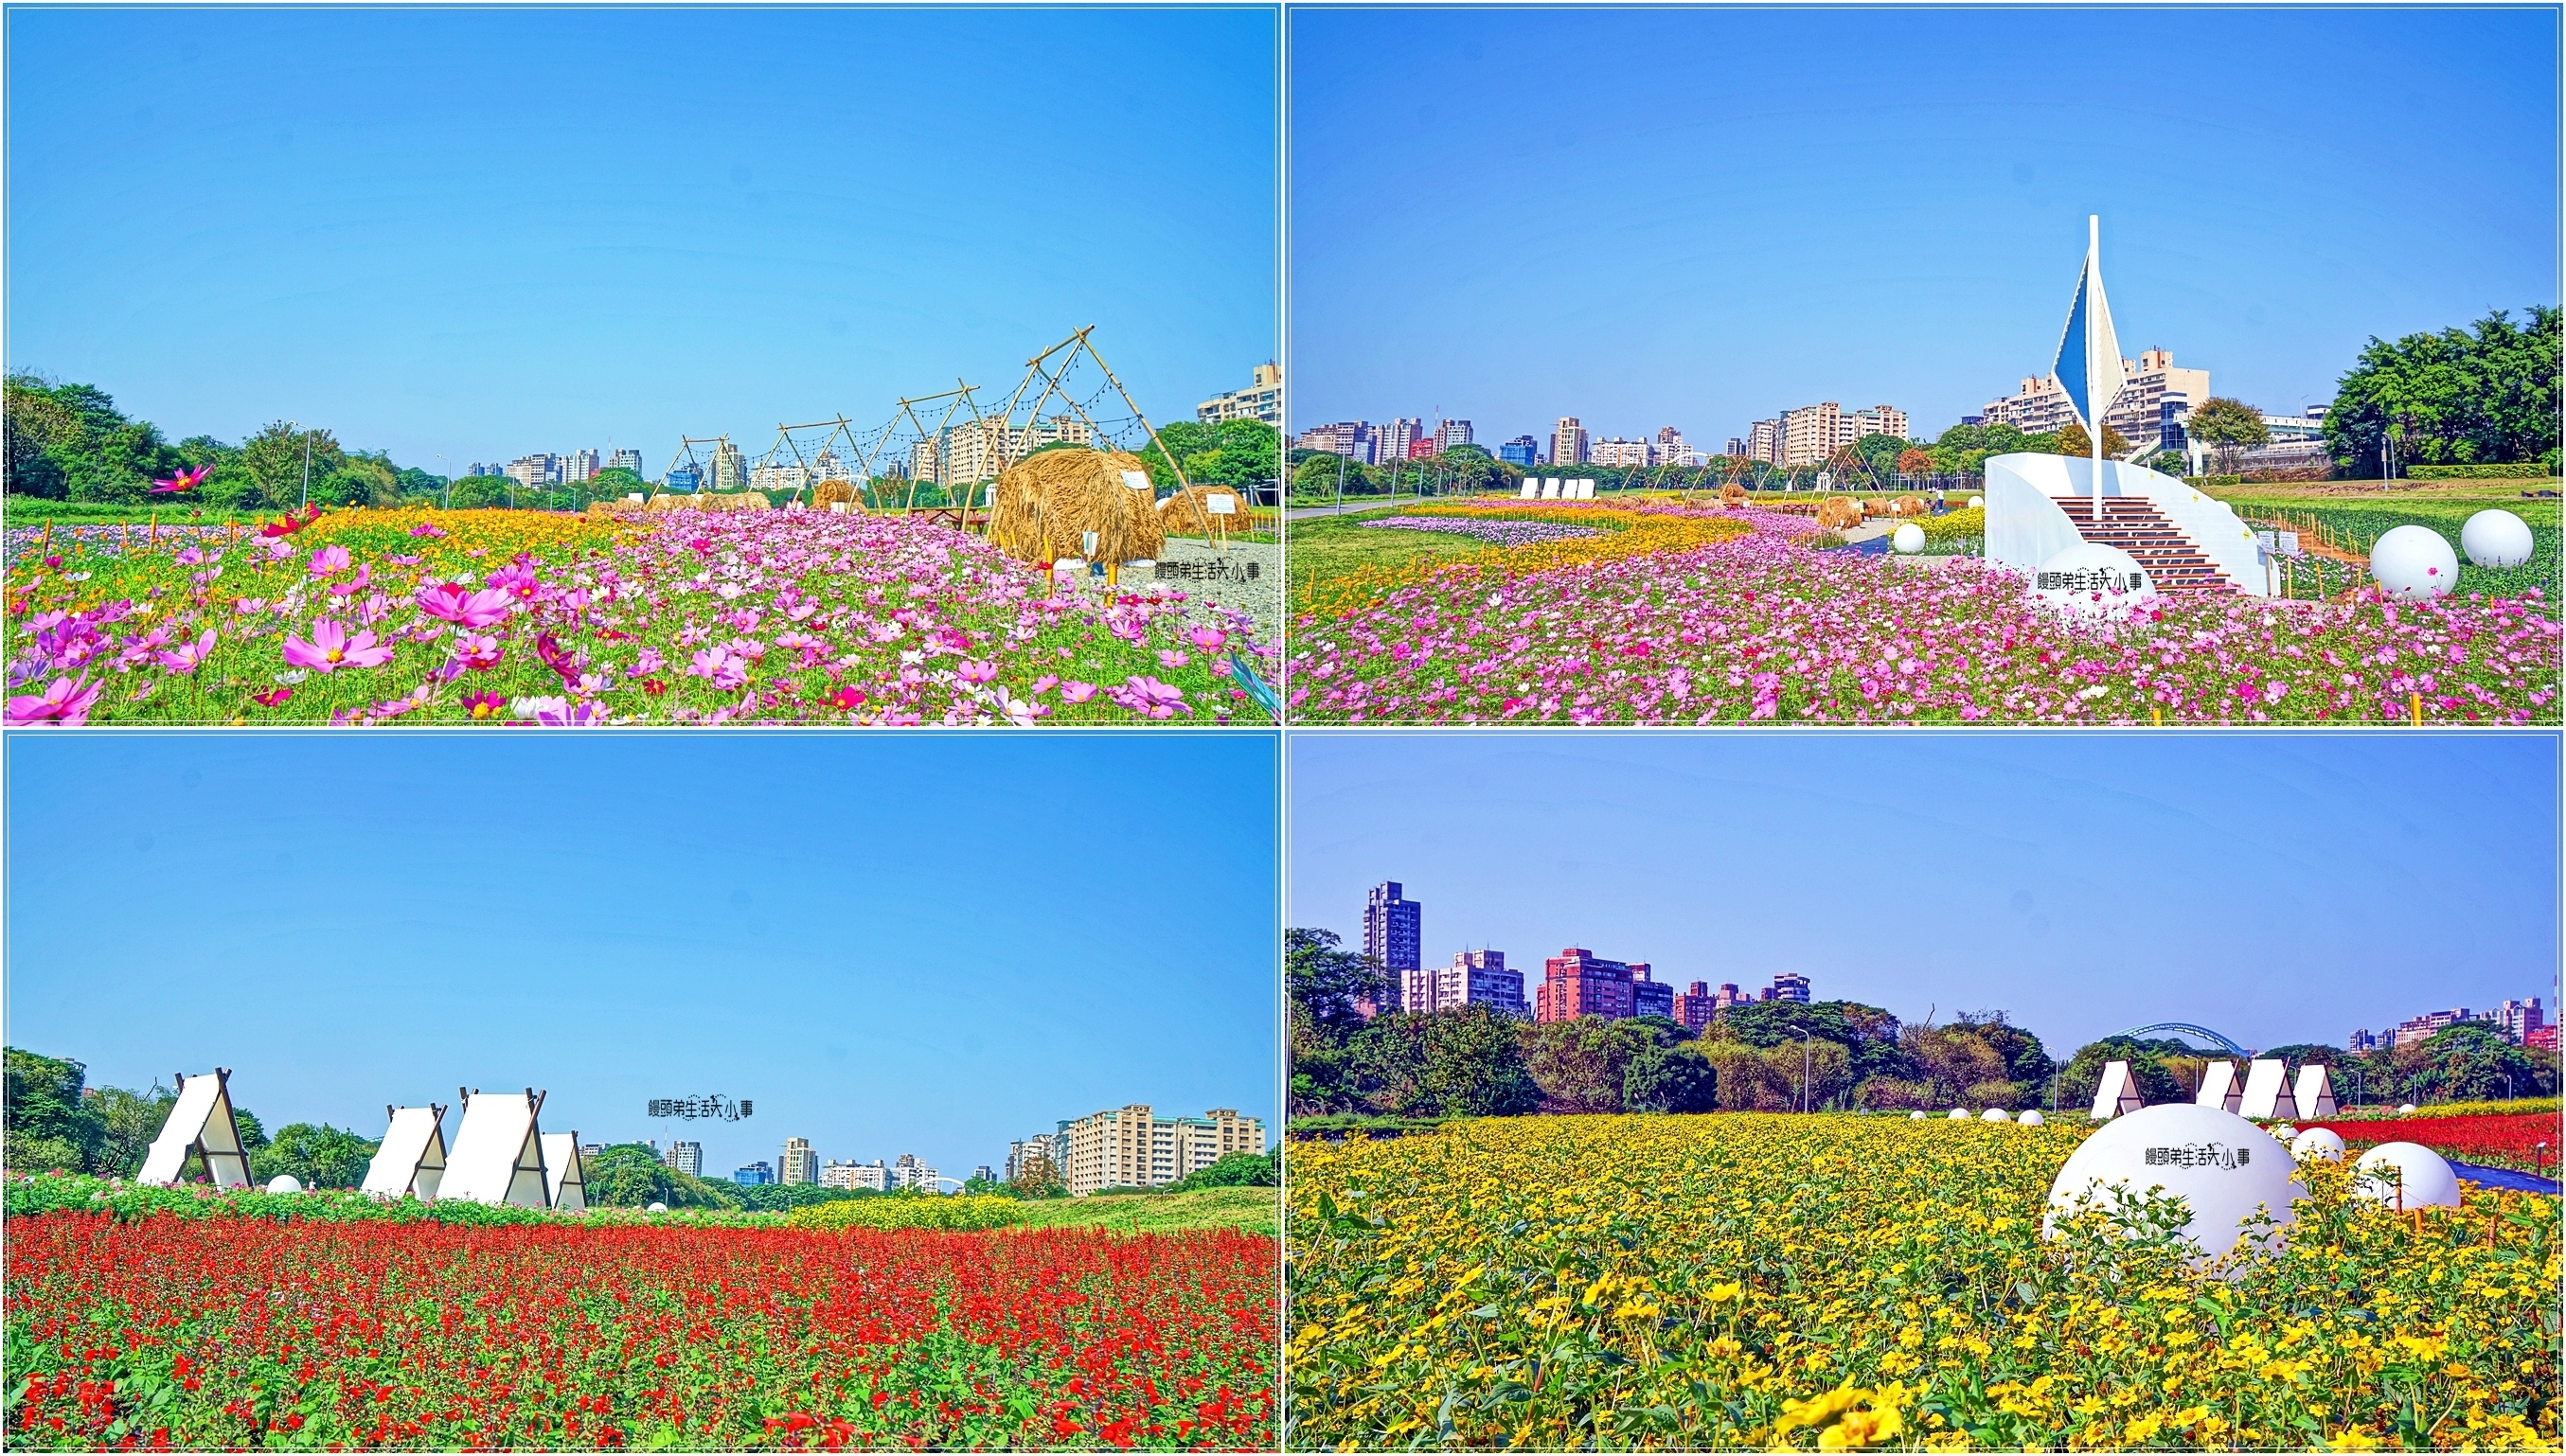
<point x="2185" y="1029"/>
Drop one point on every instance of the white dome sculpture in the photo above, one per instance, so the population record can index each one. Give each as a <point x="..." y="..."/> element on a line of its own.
<point x="2317" y="1142"/>
<point x="1960" y="1114"/>
<point x="2093" y="580"/>
<point x="1915" y="1117"/>
<point x="2406" y="1175"/>
<point x="2405" y="1107"/>
<point x="1908" y="539"/>
<point x="2282" y="1131"/>
<point x="2224" y="1167"/>
<point x="2031" y="1118"/>
<point x="1995" y="1115"/>
<point x="285" y="1183"/>
<point x="1977" y="503"/>
<point x="656" y="1208"/>
<point x="2496" y="539"/>
<point x="2414" y="564"/>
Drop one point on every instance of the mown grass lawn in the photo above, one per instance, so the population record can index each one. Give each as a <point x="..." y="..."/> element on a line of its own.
<point x="1249" y="1210"/>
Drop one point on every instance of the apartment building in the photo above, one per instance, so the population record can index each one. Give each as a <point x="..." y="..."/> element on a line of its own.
<point x="1398" y="440"/>
<point x="1812" y="433"/>
<point x="688" y="1159"/>
<point x="1450" y="433"/>
<point x="1521" y="450"/>
<point x="1649" y="994"/>
<point x="1787" y="987"/>
<point x="1048" y="1149"/>
<point x="1568" y="442"/>
<point x="1394" y="935"/>
<point x="799" y="1163"/>
<point x="731" y="468"/>
<point x="2037" y="408"/>
<point x="1577" y="982"/>
<point x="626" y="460"/>
<point x="1764" y="441"/>
<point x="875" y="1175"/>
<point x="1618" y="451"/>
<point x="1475" y="978"/>
<point x="779" y="477"/>
<point x="1261" y="399"/>
<point x="1132" y="1147"/>
<point x="1355" y="440"/>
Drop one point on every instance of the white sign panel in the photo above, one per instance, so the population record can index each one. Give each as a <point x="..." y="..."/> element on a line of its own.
<point x="1221" y="505"/>
<point x="1136" y="479"/>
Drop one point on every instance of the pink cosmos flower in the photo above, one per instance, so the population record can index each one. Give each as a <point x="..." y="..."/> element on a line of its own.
<point x="184" y="480"/>
<point x="189" y="656"/>
<point x="328" y="560"/>
<point x="65" y="701"/>
<point x="977" y="672"/>
<point x="1172" y="659"/>
<point x="1077" y="693"/>
<point x="478" y="654"/>
<point x="457" y="602"/>
<point x="427" y="529"/>
<point x="718" y="664"/>
<point x="517" y="580"/>
<point x="365" y="577"/>
<point x="482" y="705"/>
<point x="1150" y="697"/>
<point x="271" y="699"/>
<point x="847" y="699"/>
<point x="1209" y="638"/>
<point x="569" y="715"/>
<point x="330" y="649"/>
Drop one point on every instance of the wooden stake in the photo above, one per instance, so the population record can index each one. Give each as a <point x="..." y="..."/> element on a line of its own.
<point x="2418" y="702"/>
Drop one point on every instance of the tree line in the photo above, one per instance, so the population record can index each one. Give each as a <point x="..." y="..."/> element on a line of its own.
<point x="1779" y="1056"/>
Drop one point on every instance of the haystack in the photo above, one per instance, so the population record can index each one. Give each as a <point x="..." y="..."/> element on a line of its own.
<point x="1045" y="504"/>
<point x="1837" y="513"/>
<point x="1910" y="505"/>
<point x="1732" y="495"/>
<point x="829" y="492"/>
<point x="1188" y="512"/>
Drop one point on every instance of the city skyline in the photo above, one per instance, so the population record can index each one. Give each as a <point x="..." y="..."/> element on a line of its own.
<point x="1727" y="259"/>
<point x="822" y="924"/>
<point x="1926" y="884"/>
<point x="455" y="271"/>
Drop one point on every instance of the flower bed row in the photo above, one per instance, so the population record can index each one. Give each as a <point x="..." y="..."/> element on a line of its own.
<point x="374" y="616"/>
<point x="2529" y="1141"/>
<point x="1610" y="533"/>
<point x="1759" y="627"/>
<point x="1494" y="532"/>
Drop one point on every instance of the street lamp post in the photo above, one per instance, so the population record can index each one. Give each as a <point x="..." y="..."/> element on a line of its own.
<point x="307" y="470"/>
<point x="1806" y="1042"/>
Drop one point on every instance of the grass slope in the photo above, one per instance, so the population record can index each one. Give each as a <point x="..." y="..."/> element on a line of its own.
<point x="1249" y="1210"/>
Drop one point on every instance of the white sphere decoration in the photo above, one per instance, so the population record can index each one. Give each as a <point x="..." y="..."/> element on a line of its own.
<point x="1977" y="503"/>
<point x="285" y="1183"/>
<point x="1915" y="1117"/>
<point x="2406" y="1175"/>
<point x="2317" y="1142"/>
<point x="2283" y="1131"/>
<point x="2414" y="564"/>
<point x="2093" y="580"/>
<point x="1960" y="1114"/>
<point x="2496" y="539"/>
<point x="2222" y="1166"/>
<point x="2405" y="1107"/>
<point x="1995" y="1115"/>
<point x="656" y="1208"/>
<point x="2031" y="1118"/>
<point x="1908" y="539"/>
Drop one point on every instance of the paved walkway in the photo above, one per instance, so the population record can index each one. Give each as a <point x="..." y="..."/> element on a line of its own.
<point x="2506" y="1179"/>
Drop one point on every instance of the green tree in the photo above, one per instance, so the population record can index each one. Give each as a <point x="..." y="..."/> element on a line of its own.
<point x="127" y="1122"/>
<point x="478" y="492"/>
<point x="1867" y="1034"/>
<point x="2487" y="395"/>
<point x="1664" y="1079"/>
<point x="1234" y="1170"/>
<point x="2148" y="1073"/>
<point x="315" y="1156"/>
<point x="1582" y="1065"/>
<point x="274" y="457"/>
<point x="48" y="1124"/>
<point x="2072" y="440"/>
<point x="2226" y="427"/>
<point x="1327" y="988"/>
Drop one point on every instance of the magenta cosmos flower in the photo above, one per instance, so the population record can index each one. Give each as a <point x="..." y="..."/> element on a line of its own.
<point x="184" y="480"/>
<point x="65" y="700"/>
<point x="330" y="649"/>
<point x="457" y="602"/>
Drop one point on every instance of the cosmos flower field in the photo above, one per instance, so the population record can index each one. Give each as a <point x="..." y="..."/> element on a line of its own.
<point x="1759" y="626"/>
<point x="235" y="1332"/>
<point x="518" y="617"/>
<point x="1761" y="1281"/>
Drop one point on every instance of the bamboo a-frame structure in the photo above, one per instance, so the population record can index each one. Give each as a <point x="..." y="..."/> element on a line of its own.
<point x="1070" y="349"/>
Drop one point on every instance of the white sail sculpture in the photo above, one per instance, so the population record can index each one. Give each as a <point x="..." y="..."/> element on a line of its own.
<point x="2315" y="1094"/>
<point x="2088" y="354"/>
<point x="412" y="1157"/>
<point x="565" y="1182"/>
<point x="202" y="1124"/>
<point x="2116" y="1093"/>
<point x="2218" y="1086"/>
<point x="2267" y="1091"/>
<point x="498" y="1154"/>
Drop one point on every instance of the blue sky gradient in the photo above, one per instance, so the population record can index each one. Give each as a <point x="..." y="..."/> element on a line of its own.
<point x="1699" y="217"/>
<point x="2277" y="887"/>
<point x="485" y="232"/>
<point x="895" y="944"/>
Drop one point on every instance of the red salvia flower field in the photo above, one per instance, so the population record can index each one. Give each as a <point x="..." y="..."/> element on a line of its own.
<point x="2497" y="1139"/>
<point x="234" y="1333"/>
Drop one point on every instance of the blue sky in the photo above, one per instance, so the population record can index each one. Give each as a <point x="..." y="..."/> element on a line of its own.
<point x="2277" y="887"/>
<point x="486" y="232"/>
<point x="896" y="943"/>
<point x="1697" y="217"/>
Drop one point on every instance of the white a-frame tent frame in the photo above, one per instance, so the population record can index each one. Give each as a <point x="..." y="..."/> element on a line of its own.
<point x="412" y="1159"/>
<point x="200" y="1124"/>
<point x="2218" y="1086"/>
<point x="2267" y="1091"/>
<point x="498" y="1154"/>
<point x="2116" y="1093"/>
<point x="565" y="1180"/>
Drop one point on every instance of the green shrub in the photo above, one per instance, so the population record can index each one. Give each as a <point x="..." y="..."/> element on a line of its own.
<point x="2511" y="470"/>
<point x="967" y="1213"/>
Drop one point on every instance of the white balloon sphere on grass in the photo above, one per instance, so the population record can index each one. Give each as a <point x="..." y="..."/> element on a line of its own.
<point x="656" y="1208"/>
<point x="2283" y="1131"/>
<point x="2414" y="564"/>
<point x="2406" y="1106"/>
<point x="2031" y="1118"/>
<point x="285" y="1183"/>
<point x="2496" y="539"/>
<point x="1915" y="1117"/>
<point x="1977" y="503"/>
<point x="2316" y="1142"/>
<point x="2225" y="1169"/>
<point x="1908" y="539"/>
<point x="1995" y="1115"/>
<point x="2406" y="1175"/>
<point x="1960" y="1114"/>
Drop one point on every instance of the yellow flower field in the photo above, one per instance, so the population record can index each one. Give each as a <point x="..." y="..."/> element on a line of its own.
<point x="1762" y="1280"/>
<point x="1624" y="532"/>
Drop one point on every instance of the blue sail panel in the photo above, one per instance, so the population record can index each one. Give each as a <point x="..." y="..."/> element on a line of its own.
<point x="2070" y="368"/>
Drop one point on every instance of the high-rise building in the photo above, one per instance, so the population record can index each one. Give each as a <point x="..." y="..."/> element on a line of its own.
<point x="1393" y="929"/>
<point x="1521" y="450"/>
<point x="1450" y="433"/>
<point x="2520" y="1018"/>
<point x="1577" y="982"/>
<point x="1618" y="451"/>
<point x="1352" y="438"/>
<point x="2155" y="388"/>
<point x="1568" y="442"/>
<point x="800" y="1164"/>
<point x="2361" y="1041"/>
<point x="686" y="479"/>
<point x="626" y="460"/>
<point x="1045" y="1149"/>
<point x="874" y="1176"/>
<point x="731" y="468"/>
<point x="1737" y="449"/>
<point x="1878" y="419"/>
<point x="780" y="477"/>
<point x="686" y="1158"/>
<point x="1261" y="399"/>
<point x="534" y="473"/>
<point x="1475" y="978"/>
<point x="1694" y="1006"/>
<point x="907" y="1173"/>
<point x="2039" y="407"/>
<point x="1649" y="994"/>
<point x="830" y="465"/>
<point x="1671" y="449"/>
<point x="1129" y="1147"/>
<point x="579" y="465"/>
<point x="1787" y="987"/>
<point x="1394" y="440"/>
<point x="754" y="1176"/>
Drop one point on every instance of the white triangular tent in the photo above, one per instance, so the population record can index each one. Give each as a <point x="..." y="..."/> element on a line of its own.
<point x="2315" y="1095"/>
<point x="412" y="1157"/>
<point x="564" y="1179"/>
<point x="2267" y="1091"/>
<point x="201" y="1123"/>
<point x="498" y="1154"/>
<point x="2115" y="1093"/>
<point x="2218" y="1086"/>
